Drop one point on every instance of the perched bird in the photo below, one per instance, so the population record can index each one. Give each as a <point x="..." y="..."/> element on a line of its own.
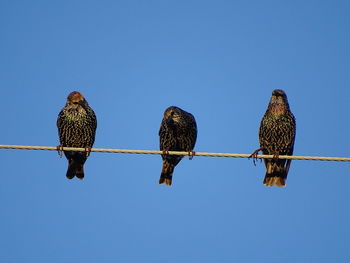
<point x="76" y="128"/>
<point x="276" y="135"/>
<point x="178" y="132"/>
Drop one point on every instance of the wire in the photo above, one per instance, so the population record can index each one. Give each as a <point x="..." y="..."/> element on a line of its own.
<point x="232" y="155"/>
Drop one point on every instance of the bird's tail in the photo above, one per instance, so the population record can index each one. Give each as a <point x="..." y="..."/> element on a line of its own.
<point x="167" y="173"/>
<point x="276" y="174"/>
<point x="75" y="169"/>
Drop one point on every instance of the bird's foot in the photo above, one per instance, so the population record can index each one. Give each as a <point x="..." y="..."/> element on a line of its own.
<point x="275" y="156"/>
<point x="59" y="149"/>
<point x="191" y="154"/>
<point x="165" y="153"/>
<point x="254" y="155"/>
<point x="87" y="151"/>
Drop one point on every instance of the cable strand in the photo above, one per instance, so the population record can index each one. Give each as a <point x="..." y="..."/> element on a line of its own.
<point x="207" y="154"/>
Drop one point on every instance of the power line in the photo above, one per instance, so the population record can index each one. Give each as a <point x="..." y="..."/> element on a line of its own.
<point x="232" y="155"/>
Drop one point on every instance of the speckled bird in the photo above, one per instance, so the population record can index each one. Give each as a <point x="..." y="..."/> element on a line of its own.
<point x="276" y="135"/>
<point x="76" y="128"/>
<point x="178" y="132"/>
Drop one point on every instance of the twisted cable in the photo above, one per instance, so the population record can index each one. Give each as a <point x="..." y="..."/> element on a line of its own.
<point x="232" y="155"/>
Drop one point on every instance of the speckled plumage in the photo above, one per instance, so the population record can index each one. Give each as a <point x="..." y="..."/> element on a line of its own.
<point x="178" y="132"/>
<point x="76" y="125"/>
<point x="276" y="136"/>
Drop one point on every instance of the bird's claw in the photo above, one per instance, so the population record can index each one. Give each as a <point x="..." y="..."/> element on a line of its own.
<point x="254" y="156"/>
<point x="165" y="153"/>
<point x="191" y="154"/>
<point x="59" y="149"/>
<point x="87" y="151"/>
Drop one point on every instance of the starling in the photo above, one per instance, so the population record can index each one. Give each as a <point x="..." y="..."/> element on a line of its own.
<point x="76" y="128"/>
<point x="276" y="136"/>
<point x="178" y="132"/>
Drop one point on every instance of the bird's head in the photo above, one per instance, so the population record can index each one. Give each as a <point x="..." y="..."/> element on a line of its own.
<point x="279" y="97"/>
<point x="278" y="102"/>
<point x="172" y="115"/>
<point x="76" y="97"/>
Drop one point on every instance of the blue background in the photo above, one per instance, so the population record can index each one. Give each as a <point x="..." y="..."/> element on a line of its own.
<point x="219" y="60"/>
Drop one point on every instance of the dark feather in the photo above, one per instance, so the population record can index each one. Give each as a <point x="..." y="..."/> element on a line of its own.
<point x="76" y="128"/>
<point x="277" y="136"/>
<point x="178" y="132"/>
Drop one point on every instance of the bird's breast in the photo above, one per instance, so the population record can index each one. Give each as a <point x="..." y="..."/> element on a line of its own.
<point x="278" y="109"/>
<point x="75" y="114"/>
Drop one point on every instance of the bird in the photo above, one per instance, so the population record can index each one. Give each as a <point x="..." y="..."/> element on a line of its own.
<point x="76" y="125"/>
<point x="178" y="132"/>
<point x="276" y="136"/>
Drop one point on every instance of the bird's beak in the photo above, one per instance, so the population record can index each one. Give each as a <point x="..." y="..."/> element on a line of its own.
<point x="81" y="103"/>
<point x="169" y="120"/>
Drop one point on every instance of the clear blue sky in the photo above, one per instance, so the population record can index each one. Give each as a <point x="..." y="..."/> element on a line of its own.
<point x="219" y="60"/>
